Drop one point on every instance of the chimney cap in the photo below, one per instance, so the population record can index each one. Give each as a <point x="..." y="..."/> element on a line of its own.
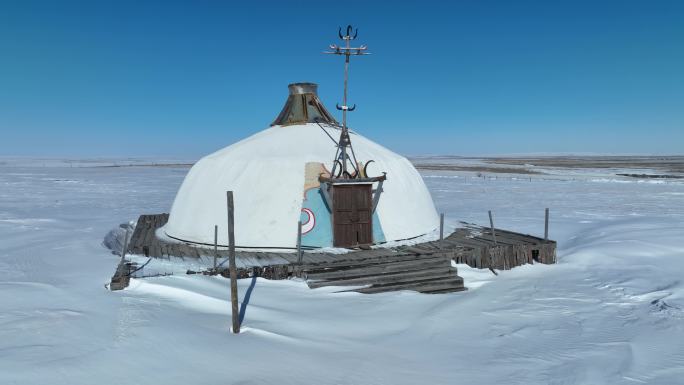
<point x="303" y="106"/>
<point x="303" y="88"/>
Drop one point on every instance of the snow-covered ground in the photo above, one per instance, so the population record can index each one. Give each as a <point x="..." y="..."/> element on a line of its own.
<point x="610" y="312"/>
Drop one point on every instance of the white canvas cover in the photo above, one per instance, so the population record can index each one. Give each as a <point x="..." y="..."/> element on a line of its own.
<point x="266" y="174"/>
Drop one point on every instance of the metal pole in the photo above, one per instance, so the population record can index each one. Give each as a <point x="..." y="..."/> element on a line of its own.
<point x="546" y="224"/>
<point x="344" y="101"/>
<point x="491" y="224"/>
<point x="342" y="156"/>
<point x="215" y="245"/>
<point x="299" y="242"/>
<point x="231" y="264"/>
<point x="346" y="77"/>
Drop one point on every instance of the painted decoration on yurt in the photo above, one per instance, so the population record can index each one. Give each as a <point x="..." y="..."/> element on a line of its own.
<point x="315" y="215"/>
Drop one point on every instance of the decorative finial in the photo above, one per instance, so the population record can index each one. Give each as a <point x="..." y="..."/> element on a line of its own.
<point x="342" y="157"/>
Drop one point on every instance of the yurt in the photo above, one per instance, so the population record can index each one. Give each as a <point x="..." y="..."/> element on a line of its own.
<point x="346" y="190"/>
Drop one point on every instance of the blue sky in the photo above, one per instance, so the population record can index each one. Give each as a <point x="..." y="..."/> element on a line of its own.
<point x="182" y="79"/>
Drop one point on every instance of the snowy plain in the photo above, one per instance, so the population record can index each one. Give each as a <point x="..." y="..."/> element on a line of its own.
<point x="610" y="312"/>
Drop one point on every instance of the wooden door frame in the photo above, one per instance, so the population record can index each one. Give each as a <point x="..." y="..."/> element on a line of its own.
<point x="371" y="212"/>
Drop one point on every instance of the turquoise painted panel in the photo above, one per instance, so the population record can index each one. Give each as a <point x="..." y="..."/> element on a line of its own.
<point x="378" y="235"/>
<point x="317" y="222"/>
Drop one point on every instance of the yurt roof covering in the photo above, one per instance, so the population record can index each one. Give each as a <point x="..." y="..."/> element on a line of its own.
<point x="266" y="173"/>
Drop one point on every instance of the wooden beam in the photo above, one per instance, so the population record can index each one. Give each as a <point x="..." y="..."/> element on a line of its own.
<point x="215" y="245"/>
<point x="299" y="243"/>
<point x="491" y="225"/>
<point x="125" y="246"/>
<point x="445" y="285"/>
<point x="231" y="263"/>
<point x="546" y="224"/>
<point x="443" y="271"/>
<point x="441" y="229"/>
<point x="378" y="269"/>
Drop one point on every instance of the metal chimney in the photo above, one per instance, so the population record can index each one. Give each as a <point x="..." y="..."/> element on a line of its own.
<point x="303" y="106"/>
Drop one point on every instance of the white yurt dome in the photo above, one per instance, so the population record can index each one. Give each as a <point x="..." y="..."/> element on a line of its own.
<point x="274" y="176"/>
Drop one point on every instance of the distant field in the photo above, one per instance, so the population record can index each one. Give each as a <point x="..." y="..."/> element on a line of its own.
<point x="658" y="166"/>
<point x="640" y="167"/>
<point x="481" y="169"/>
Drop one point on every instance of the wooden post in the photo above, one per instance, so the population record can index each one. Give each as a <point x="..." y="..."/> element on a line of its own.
<point x="491" y="224"/>
<point x="299" y="243"/>
<point x="215" y="246"/>
<point x="231" y="264"/>
<point x="441" y="228"/>
<point x="546" y="224"/>
<point x="125" y="246"/>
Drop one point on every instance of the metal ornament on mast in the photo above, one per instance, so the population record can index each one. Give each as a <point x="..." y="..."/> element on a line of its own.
<point x="341" y="156"/>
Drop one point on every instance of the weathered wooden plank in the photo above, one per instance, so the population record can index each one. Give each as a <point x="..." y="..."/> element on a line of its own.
<point x="393" y="278"/>
<point x="500" y="239"/>
<point x="416" y="250"/>
<point x="482" y="232"/>
<point x="148" y="233"/>
<point x="378" y="269"/>
<point x="419" y="265"/>
<point x="290" y="257"/>
<point x="138" y="237"/>
<point x="447" y="290"/>
<point x="193" y="252"/>
<point x="429" y="246"/>
<point x="155" y="251"/>
<point x="345" y="264"/>
<point x="526" y="238"/>
<point x="318" y="258"/>
<point x="443" y="285"/>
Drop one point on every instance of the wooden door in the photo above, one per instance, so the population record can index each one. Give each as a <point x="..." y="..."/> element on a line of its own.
<point x="352" y="215"/>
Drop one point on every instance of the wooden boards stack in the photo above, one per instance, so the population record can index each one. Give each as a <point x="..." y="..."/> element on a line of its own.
<point x="381" y="273"/>
<point x="424" y="267"/>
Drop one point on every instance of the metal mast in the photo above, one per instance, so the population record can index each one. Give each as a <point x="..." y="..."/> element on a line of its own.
<point x="342" y="156"/>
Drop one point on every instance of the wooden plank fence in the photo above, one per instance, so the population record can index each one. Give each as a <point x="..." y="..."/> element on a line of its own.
<point x="424" y="267"/>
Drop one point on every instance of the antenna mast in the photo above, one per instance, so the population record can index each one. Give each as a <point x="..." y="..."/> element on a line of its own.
<point x="342" y="156"/>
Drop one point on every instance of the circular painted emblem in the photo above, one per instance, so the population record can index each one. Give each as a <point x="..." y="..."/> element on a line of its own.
<point x="310" y="221"/>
